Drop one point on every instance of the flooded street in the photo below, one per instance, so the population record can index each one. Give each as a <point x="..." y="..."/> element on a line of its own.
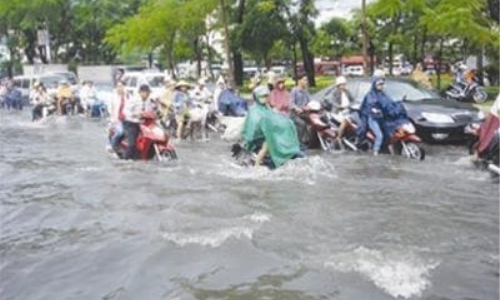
<point x="77" y="224"/>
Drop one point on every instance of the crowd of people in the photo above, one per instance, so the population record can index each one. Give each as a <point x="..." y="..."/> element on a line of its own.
<point x="275" y="124"/>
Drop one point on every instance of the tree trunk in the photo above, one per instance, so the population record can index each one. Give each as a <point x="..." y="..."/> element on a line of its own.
<point x="423" y="42"/>
<point x="480" y="66"/>
<point x="197" y="51"/>
<point x="227" y="45"/>
<point x="238" y="68"/>
<point x="365" y="36"/>
<point x="294" y="64"/>
<point x="209" y="55"/>
<point x="390" y="52"/>
<point x="414" y="55"/>
<point x="308" y="60"/>
<point x="438" y="66"/>
<point x="237" y="56"/>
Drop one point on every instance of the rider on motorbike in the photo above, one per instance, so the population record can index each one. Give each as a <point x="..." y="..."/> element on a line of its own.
<point x="201" y="92"/>
<point x="374" y="111"/>
<point x="279" y="99"/>
<point x="299" y="99"/>
<point x="182" y="103"/>
<point x="167" y="99"/>
<point x="40" y="99"/>
<point x="134" y="108"/>
<point x="339" y="104"/>
<point x="487" y="131"/>
<point x="88" y="95"/>
<point x="117" y="113"/>
<point x="64" y="92"/>
<point x="267" y="132"/>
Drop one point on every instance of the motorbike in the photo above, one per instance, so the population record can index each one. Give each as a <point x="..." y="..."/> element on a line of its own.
<point x="97" y="109"/>
<point x="403" y="140"/>
<point x="247" y="158"/>
<point x="474" y="93"/>
<point x="488" y="158"/>
<point x="153" y="141"/>
<point x="320" y="127"/>
<point x="43" y="110"/>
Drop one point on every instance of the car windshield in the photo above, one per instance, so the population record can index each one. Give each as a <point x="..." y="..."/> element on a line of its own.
<point x="155" y="81"/>
<point x="49" y="81"/>
<point x="397" y="90"/>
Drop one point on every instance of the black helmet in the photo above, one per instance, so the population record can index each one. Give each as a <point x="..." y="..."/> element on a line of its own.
<point x="144" y="88"/>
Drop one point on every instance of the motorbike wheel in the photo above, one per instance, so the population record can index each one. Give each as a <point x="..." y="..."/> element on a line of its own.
<point x="479" y="95"/>
<point x="413" y="151"/>
<point x="169" y="155"/>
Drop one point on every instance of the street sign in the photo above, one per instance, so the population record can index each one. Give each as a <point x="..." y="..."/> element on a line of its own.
<point x="43" y="37"/>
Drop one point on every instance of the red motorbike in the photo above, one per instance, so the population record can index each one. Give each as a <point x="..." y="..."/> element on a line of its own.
<point x="153" y="141"/>
<point x="403" y="140"/>
<point x="320" y="127"/>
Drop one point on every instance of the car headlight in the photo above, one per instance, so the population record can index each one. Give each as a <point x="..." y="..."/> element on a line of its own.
<point x="437" y="118"/>
<point x="480" y="115"/>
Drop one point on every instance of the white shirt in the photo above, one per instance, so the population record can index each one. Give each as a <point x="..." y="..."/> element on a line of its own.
<point x="114" y="106"/>
<point x="136" y="106"/>
<point x="344" y="100"/>
<point x="215" y="103"/>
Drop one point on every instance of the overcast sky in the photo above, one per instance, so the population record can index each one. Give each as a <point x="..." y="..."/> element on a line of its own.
<point x="337" y="8"/>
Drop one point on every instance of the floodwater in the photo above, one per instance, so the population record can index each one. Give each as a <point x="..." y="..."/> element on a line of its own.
<point x="77" y="224"/>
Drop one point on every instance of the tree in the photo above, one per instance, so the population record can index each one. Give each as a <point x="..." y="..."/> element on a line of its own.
<point x="462" y="19"/>
<point x="262" y="27"/>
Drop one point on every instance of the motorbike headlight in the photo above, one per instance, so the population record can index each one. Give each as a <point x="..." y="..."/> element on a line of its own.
<point x="437" y="118"/>
<point x="480" y="115"/>
<point x="409" y="128"/>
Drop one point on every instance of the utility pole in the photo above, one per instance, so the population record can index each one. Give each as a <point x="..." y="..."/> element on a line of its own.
<point x="364" y="34"/>
<point x="227" y="46"/>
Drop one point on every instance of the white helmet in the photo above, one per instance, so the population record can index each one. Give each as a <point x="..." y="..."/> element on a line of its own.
<point x="340" y="80"/>
<point x="314" y="106"/>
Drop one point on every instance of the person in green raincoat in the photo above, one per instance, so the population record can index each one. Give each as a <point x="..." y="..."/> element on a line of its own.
<point x="273" y="133"/>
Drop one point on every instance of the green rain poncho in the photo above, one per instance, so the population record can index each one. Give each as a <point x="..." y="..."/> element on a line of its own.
<point x="277" y="130"/>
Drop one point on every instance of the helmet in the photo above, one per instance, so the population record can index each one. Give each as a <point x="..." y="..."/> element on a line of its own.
<point x="182" y="83"/>
<point x="314" y="106"/>
<point x="462" y="67"/>
<point x="340" y="80"/>
<point x="261" y="91"/>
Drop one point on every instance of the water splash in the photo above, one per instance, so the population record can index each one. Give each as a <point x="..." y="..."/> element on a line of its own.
<point x="304" y="170"/>
<point x="214" y="238"/>
<point x="398" y="275"/>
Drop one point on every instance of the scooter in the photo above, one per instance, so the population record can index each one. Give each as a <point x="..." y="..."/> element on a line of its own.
<point x="153" y="141"/>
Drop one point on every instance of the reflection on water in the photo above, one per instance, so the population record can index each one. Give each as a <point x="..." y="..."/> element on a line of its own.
<point x="77" y="224"/>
